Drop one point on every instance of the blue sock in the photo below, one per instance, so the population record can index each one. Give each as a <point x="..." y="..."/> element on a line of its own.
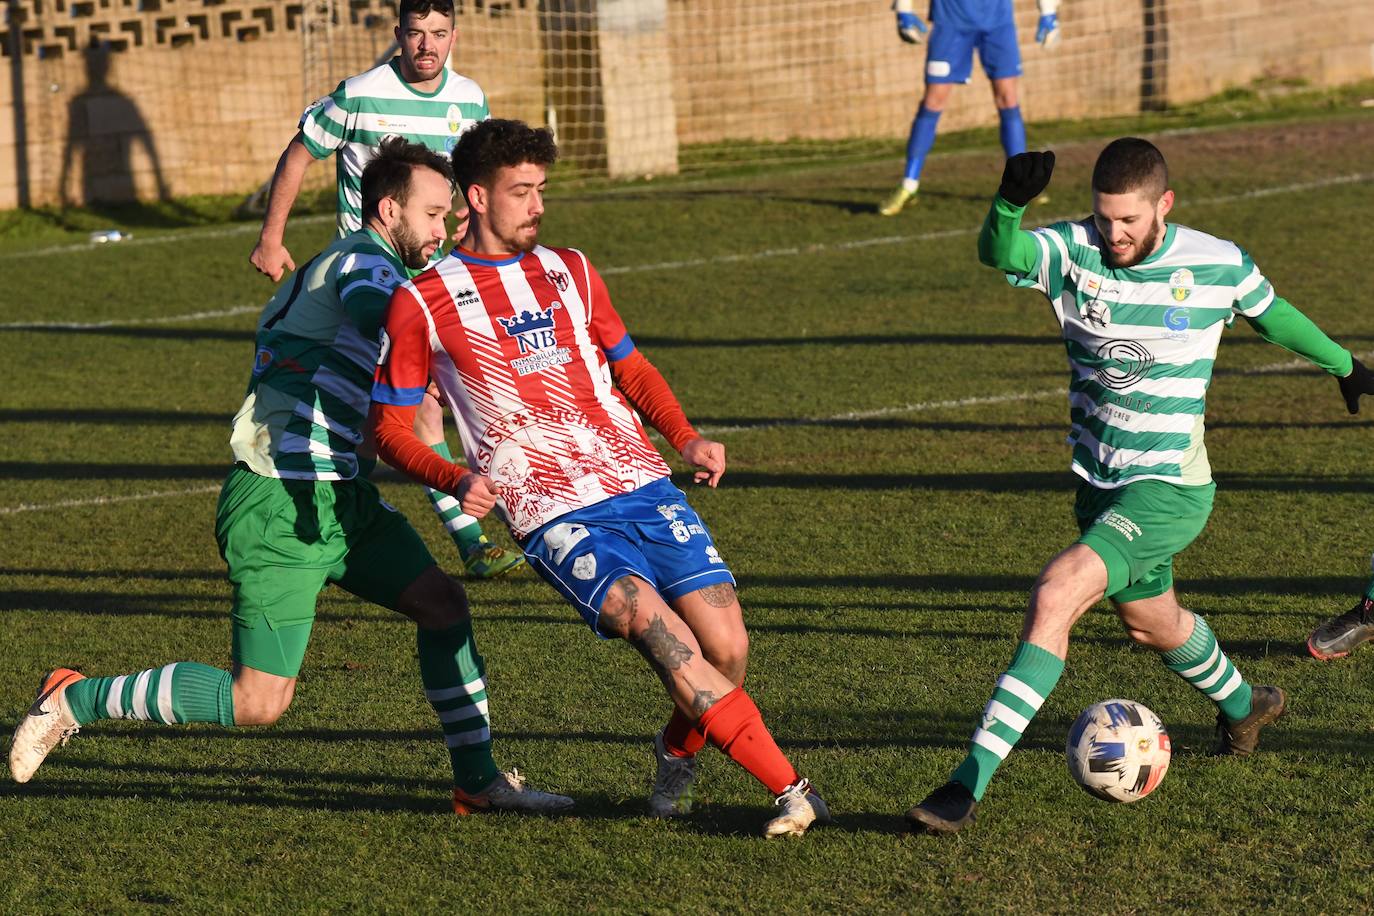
<point x="921" y="140"/>
<point x="1012" y="130"/>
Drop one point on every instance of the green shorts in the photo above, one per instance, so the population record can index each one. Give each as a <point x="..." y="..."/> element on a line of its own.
<point x="1138" y="528"/>
<point x="285" y="539"/>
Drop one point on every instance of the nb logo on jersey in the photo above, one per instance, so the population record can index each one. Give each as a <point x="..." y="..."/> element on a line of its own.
<point x="534" y="330"/>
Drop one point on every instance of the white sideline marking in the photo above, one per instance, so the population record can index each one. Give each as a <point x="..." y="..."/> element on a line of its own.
<point x="126" y="322"/>
<point x="137" y="241"/>
<point x="103" y="500"/>
<point x="915" y="407"/>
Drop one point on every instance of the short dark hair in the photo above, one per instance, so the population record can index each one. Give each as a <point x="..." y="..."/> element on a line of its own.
<point x="494" y="144"/>
<point x="1131" y="164"/>
<point x="388" y="174"/>
<point x="422" y="8"/>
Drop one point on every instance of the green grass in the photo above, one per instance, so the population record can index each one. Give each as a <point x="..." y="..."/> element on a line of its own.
<point x="884" y="546"/>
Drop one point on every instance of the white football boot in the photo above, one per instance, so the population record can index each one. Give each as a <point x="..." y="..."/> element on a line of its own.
<point x="508" y="792"/>
<point x="47" y="725"/>
<point x="801" y="807"/>
<point x="672" y="793"/>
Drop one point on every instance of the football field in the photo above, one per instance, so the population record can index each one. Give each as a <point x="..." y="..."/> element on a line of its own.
<point x="895" y="418"/>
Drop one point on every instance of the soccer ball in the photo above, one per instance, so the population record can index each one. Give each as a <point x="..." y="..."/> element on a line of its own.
<point x="1118" y="750"/>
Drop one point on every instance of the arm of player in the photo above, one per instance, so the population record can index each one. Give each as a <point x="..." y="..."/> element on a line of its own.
<point x="910" y="28"/>
<point x="645" y="387"/>
<point x="1047" y="29"/>
<point x="269" y="255"/>
<point x="1002" y="243"/>
<point x="398" y="388"/>
<point x="1284" y="325"/>
<point x="647" y="391"/>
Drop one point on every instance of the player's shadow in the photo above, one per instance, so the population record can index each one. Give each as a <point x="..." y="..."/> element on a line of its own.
<point x="849" y="340"/>
<point x="122" y="416"/>
<point x="880" y="424"/>
<point x="1022" y="482"/>
<point x="1229" y="586"/>
<point x="51" y="470"/>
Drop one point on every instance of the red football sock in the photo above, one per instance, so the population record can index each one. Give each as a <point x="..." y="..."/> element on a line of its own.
<point x="681" y="737"/>
<point x="735" y="726"/>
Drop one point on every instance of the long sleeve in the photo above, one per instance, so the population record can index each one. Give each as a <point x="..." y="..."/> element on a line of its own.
<point x="1284" y="325"/>
<point x="1002" y="243"/>
<point x="648" y="391"/>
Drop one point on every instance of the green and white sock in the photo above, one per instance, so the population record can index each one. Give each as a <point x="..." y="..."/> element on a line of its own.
<point x="173" y="694"/>
<point x="1200" y="662"/>
<point x="1015" y="700"/>
<point x="456" y="686"/>
<point x="465" y="530"/>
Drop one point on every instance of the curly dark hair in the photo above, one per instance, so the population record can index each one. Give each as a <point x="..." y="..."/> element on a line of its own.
<point x="388" y="174"/>
<point x="495" y="144"/>
<point x="422" y="8"/>
<point x="1131" y="164"/>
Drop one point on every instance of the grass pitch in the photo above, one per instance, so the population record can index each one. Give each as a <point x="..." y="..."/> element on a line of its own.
<point x="895" y="418"/>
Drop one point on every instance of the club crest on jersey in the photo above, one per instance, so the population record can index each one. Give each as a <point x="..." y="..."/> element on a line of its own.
<point x="532" y="329"/>
<point x="1181" y="284"/>
<point x="455" y="118"/>
<point x="558" y="279"/>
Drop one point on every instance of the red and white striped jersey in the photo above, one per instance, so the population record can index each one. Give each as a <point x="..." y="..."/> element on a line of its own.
<point x="520" y="348"/>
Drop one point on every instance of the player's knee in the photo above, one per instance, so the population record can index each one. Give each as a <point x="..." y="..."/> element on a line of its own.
<point x="260" y="707"/>
<point x="435" y="601"/>
<point x="732" y="658"/>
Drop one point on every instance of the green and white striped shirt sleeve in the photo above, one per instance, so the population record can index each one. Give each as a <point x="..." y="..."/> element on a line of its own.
<point x="325" y="124"/>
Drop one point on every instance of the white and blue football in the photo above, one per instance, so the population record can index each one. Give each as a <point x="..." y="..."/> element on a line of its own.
<point x="1118" y="750"/>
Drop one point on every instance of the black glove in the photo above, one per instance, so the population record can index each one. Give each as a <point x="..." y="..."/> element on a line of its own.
<point x="1026" y="176"/>
<point x="1359" y="381"/>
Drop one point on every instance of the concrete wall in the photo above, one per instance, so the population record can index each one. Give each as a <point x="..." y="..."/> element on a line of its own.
<point x="110" y="99"/>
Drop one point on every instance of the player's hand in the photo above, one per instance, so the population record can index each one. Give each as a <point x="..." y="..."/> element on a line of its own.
<point x="460" y="231"/>
<point x="910" y="27"/>
<point x="708" y="457"/>
<point x="1047" y="32"/>
<point x="477" y="494"/>
<point x="271" y="259"/>
<point x="1359" y="381"/>
<point x="1025" y="177"/>
<point x="432" y="391"/>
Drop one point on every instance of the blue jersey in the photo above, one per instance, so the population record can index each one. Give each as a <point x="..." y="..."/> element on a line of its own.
<point x="971" y="15"/>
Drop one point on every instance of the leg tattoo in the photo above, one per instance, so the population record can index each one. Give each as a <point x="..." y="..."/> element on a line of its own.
<point x="721" y="594"/>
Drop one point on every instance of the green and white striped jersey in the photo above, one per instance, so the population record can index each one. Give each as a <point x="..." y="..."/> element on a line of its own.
<point x="317" y="348"/>
<point x="1141" y="343"/>
<point x="371" y="106"/>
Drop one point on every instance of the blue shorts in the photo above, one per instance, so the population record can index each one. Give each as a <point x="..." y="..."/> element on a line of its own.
<point x="950" y="58"/>
<point x="651" y="533"/>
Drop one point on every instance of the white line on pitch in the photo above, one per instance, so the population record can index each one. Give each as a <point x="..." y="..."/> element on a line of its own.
<point x="103" y="500"/>
<point x="126" y="322"/>
<point x="137" y="241"/>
